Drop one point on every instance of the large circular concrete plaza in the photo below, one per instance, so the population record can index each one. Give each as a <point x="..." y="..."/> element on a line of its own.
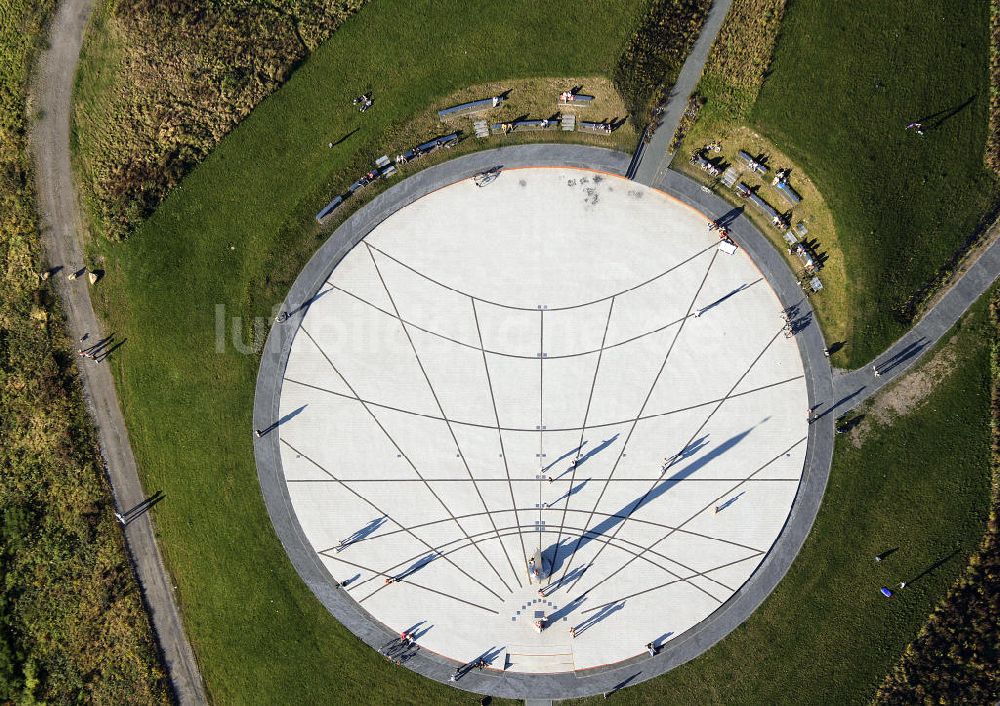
<point x="562" y="362"/>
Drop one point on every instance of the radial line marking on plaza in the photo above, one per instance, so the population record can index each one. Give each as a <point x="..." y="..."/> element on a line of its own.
<point x="649" y="394"/>
<point x="451" y="431"/>
<point x="407" y="581"/>
<point x="401" y="452"/>
<point x="496" y="415"/>
<point x="387" y="515"/>
<point x="691" y="439"/>
<point x="583" y="426"/>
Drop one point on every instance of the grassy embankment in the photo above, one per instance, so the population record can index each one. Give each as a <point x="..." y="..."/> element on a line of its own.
<point x="842" y="84"/>
<point x="72" y="624"/>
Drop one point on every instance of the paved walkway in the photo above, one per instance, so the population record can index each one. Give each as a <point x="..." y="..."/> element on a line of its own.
<point x="655" y="159"/>
<point x="61" y="226"/>
<point x="854" y="387"/>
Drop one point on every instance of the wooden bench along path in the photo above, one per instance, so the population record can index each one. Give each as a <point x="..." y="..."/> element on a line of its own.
<point x="471" y="107"/>
<point x="525" y="126"/>
<point x="601" y="128"/>
<point x="574" y="100"/>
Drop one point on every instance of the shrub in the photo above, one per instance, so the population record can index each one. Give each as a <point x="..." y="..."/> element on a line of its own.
<point x="654" y="55"/>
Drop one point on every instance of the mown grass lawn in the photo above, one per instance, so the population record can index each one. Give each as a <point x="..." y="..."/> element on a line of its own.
<point x="846" y="79"/>
<point x="826" y="636"/>
<point x="259" y="634"/>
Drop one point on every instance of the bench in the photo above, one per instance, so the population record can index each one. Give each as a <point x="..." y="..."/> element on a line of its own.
<point x="602" y="128"/>
<point x="786" y="190"/>
<point x="447" y="141"/>
<point x="698" y="159"/>
<point x="471" y="107"/>
<point x="575" y="100"/>
<point x="754" y="165"/>
<point x="777" y="220"/>
<point x="329" y="208"/>
<point x="525" y="126"/>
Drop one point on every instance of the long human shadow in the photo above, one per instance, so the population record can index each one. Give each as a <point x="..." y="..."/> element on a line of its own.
<point x="658" y="642"/>
<point x="486" y="658"/>
<point x="555" y="552"/>
<point x="842" y="400"/>
<point x="589" y="455"/>
<point x="142" y="507"/>
<point x="98" y="346"/>
<point x="420" y="633"/>
<point x="363" y="533"/>
<point x="621" y="685"/>
<point x="727" y="218"/>
<point x="724" y="298"/>
<point x="933" y="567"/>
<point x="687" y="452"/>
<point x="568" y="453"/>
<point x="304" y="306"/>
<point x="601" y="615"/>
<point x="566" y="609"/>
<point x="936" y="120"/>
<point x="288" y="417"/>
<point x="344" y="138"/>
<point x="568" y="578"/>
<point x="416" y="566"/>
<point x="412" y="629"/>
<point x="571" y="492"/>
<point x="102" y="355"/>
<point x="723" y="506"/>
<point x="903" y="355"/>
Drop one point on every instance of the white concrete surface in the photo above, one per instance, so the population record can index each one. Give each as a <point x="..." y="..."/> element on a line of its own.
<point x="479" y="341"/>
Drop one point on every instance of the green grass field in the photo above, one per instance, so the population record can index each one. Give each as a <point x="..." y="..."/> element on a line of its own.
<point x="846" y="79"/>
<point x="219" y="238"/>
<point x="239" y="227"/>
<point x="826" y="636"/>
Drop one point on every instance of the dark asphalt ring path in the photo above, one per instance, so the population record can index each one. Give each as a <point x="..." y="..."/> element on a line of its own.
<point x="819" y="382"/>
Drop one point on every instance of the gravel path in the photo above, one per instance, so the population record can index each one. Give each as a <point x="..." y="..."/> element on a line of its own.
<point x="52" y="95"/>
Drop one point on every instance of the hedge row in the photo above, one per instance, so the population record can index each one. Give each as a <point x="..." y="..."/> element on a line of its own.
<point x="992" y="154"/>
<point x="654" y="55"/>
